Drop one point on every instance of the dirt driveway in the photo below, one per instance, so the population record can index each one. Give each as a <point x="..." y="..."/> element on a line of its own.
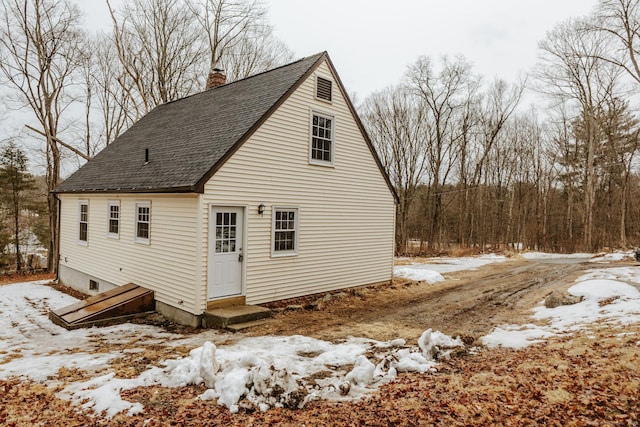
<point x="467" y="303"/>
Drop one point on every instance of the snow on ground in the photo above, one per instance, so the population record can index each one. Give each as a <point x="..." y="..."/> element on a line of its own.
<point x="613" y="256"/>
<point x="606" y="298"/>
<point x="598" y="258"/>
<point x="264" y="371"/>
<point x="544" y="255"/>
<point x="431" y="272"/>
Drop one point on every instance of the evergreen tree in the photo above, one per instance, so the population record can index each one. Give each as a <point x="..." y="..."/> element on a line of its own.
<point x="15" y="181"/>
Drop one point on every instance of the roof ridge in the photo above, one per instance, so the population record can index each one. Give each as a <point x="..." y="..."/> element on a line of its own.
<point x="247" y="78"/>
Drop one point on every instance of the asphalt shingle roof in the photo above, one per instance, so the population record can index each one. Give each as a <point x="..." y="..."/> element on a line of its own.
<point x="189" y="138"/>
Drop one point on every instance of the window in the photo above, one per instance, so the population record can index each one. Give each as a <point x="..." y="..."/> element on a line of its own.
<point x="83" y="221"/>
<point x="285" y="231"/>
<point x="113" y="212"/>
<point x="226" y="230"/>
<point x="143" y="221"/>
<point x="323" y="89"/>
<point x="321" y="139"/>
<point x="93" y="285"/>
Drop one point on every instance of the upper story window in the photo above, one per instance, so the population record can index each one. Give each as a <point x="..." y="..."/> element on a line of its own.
<point x="321" y="139"/>
<point x="83" y="221"/>
<point x="285" y="231"/>
<point x="323" y="89"/>
<point x="143" y="221"/>
<point x="113" y="212"/>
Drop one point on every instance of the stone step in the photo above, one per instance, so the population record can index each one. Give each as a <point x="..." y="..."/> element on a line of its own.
<point x="237" y="327"/>
<point x="223" y="317"/>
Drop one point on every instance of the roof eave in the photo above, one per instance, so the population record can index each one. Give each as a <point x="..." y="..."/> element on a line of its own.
<point x="138" y="190"/>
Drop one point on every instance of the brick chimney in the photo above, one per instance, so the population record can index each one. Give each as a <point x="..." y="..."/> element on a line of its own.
<point x="216" y="78"/>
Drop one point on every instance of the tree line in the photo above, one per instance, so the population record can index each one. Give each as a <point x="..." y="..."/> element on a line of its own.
<point x="473" y="169"/>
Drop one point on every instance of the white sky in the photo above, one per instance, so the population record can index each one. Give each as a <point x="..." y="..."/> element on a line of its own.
<point x="371" y="42"/>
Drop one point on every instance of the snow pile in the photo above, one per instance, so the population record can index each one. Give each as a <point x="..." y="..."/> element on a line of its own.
<point x="604" y="299"/>
<point x="266" y="372"/>
<point x="418" y="273"/>
<point x="431" y="272"/>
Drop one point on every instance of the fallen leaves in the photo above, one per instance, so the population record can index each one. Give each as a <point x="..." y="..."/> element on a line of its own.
<point x="588" y="379"/>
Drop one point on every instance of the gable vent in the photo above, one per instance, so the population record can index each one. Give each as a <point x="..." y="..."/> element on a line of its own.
<point x="323" y="89"/>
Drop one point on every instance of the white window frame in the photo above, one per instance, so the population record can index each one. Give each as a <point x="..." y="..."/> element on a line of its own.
<point x="332" y="117"/>
<point x="143" y="240"/>
<point x="110" y="204"/>
<point x="296" y="231"/>
<point x="82" y="203"/>
<point x="330" y="80"/>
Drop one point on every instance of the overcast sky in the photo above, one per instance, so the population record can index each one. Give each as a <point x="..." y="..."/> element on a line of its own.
<point x="371" y="42"/>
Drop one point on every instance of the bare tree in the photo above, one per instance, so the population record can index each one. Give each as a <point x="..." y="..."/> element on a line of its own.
<point x="258" y="50"/>
<point x="620" y="20"/>
<point x="620" y="130"/>
<point x="571" y="71"/>
<point x="396" y="123"/>
<point x="444" y="94"/>
<point x="566" y="158"/>
<point x="39" y="48"/>
<point x="113" y="95"/>
<point x="160" y="51"/>
<point x="238" y="36"/>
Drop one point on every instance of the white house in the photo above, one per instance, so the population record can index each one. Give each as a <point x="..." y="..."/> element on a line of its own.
<point x="254" y="191"/>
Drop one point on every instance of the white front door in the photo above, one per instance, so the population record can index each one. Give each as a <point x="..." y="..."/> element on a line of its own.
<point x="225" y="251"/>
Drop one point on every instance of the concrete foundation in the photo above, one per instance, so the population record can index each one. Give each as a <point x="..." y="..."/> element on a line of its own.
<point x="81" y="281"/>
<point x="179" y="316"/>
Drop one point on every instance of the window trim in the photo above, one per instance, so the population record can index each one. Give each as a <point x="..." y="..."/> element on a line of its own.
<point x="317" y="162"/>
<point x="111" y="203"/>
<point x="328" y="101"/>
<point x="82" y="203"/>
<point x="137" y="239"/>
<point x="296" y="230"/>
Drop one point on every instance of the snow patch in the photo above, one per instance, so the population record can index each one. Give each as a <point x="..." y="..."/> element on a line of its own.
<point x="604" y="299"/>
<point x="431" y="272"/>
<point x="418" y="273"/>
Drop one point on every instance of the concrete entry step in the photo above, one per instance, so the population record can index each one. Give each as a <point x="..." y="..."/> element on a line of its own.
<point x="224" y="317"/>
<point x="120" y="303"/>
<point x="237" y="327"/>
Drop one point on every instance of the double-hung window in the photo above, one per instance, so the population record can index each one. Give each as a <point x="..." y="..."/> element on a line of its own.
<point x="143" y="222"/>
<point x="285" y="231"/>
<point x="83" y="222"/>
<point x="113" y="212"/>
<point x="322" y="140"/>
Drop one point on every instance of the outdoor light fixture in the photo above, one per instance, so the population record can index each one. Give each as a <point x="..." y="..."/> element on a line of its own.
<point x="261" y="208"/>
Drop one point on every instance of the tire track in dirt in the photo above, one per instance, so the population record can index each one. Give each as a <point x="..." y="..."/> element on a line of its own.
<point x="468" y="303"/>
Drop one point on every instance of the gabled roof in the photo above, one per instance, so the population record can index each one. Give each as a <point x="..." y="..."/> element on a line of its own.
<point x="188" y="140"/>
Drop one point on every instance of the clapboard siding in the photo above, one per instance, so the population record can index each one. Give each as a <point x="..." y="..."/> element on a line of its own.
<point x="168" y="264"/>
<point x="346" y="212"/>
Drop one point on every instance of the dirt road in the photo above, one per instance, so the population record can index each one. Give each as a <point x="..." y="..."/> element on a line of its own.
<point x="468" y="303"/>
